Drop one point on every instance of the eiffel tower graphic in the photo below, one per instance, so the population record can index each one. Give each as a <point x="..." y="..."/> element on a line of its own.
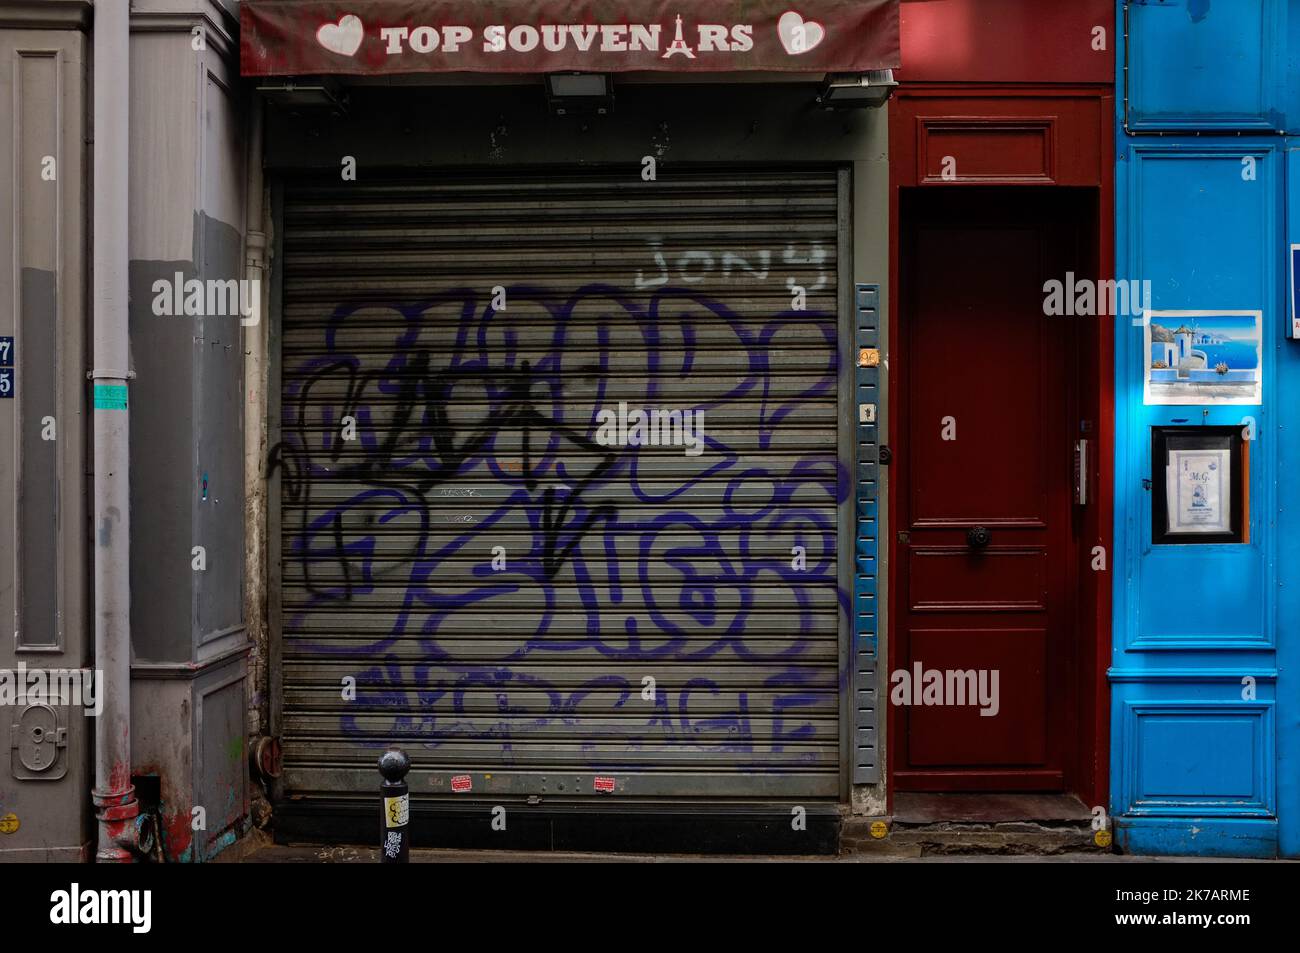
<point x="678" y="45"/>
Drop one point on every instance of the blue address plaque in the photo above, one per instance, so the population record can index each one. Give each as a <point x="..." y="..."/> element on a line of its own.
<point x="7" y="372"/>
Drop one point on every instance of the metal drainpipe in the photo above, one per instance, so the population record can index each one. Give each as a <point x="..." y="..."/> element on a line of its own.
<point x="255" y="372"/>
<point x="120" y="825"/>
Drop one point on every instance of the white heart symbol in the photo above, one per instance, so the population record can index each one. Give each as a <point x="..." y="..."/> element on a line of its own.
<point x="797" y="34"/>
<point x="343" y="37"/>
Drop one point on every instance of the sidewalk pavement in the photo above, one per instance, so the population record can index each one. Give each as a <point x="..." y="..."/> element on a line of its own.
<point x="258" y="848"/>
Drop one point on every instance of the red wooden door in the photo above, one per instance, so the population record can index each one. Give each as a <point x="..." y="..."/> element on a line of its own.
<point x="983" y="547"/>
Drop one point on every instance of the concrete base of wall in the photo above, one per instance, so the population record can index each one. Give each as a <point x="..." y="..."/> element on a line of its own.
<point x="980" y="824"/>
<point x="950" y="838"/>
<point x="189" y="754"/>
<point x="1200" y="836"/>
<point x="723" y="829"/>
<point x="48" y="855"/>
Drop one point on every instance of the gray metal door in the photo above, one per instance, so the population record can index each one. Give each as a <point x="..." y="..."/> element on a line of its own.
<point x="560" y="484"/>
<point x="44" y="405"/>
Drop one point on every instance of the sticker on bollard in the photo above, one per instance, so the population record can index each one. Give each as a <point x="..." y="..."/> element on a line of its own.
<point x="395" y="848"/>
<point x="397" y="810"/>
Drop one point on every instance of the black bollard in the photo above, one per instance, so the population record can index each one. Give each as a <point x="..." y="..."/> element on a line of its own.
<point x="395" y="847"/>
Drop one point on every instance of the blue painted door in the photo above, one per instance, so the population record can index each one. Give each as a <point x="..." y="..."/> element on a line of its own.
<point x="1205" y="680"/>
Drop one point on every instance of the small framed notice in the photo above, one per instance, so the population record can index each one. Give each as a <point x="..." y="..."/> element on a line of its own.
<point x="1293" y="327"/>
<point x="1199" y="499"/>
<point x="1197" y="482"/>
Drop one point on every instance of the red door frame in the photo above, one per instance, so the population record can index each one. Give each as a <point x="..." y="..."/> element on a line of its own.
<point x="1029" y="137"/>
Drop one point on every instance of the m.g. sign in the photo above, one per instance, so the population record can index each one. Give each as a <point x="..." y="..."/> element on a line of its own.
<point x="288" y="37"/>
<point x="1293" y="329"/>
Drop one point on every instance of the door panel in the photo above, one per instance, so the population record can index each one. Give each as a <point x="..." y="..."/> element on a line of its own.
<point x="1209" y="68"/>
<point x="971" y="339"/>
<point x="946" y="579"/>
<point x="1013" y="733"/>
<point x="983" y="644"/>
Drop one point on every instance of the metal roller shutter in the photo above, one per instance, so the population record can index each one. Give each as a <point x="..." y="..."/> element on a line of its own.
<point x="529" y="610"/>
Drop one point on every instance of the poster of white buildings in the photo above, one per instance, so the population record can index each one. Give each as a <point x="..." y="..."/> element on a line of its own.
<point x="1204" y="357"/>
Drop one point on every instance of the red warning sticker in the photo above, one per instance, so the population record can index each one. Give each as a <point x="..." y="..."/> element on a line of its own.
<point x="604" y="784"/>
<point x="461" y="782"/>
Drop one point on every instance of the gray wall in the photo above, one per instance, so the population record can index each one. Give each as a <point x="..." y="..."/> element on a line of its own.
<point x="190" y="644"/>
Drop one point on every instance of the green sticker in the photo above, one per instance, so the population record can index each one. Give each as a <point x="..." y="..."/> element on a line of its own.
<point x="110" y="397"/>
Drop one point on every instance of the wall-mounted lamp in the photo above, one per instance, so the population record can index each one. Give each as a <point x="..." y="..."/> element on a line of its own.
<point x="314" y="95"/>
<point x="844" y="90"/>
<point x="579" y="94"/>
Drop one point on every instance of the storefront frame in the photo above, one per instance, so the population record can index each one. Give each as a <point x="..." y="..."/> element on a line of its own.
<point x="744" y="135"/>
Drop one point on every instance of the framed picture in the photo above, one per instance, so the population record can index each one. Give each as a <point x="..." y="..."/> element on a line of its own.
<point x="1203" y="357"/>
<point x="1197" y="485"/>
<point x="1293" y="328"/>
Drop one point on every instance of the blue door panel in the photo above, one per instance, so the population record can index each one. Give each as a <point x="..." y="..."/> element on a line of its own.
<point x="1190" y="599"/>
<point x="1191" y="746"/>
<point x="1200" y="214"/>
<point x="1195" y="744"/>
<point x="1232" y="778"/>
<point x="1204" y="219"/>
<point x="1234" y="837"/>
<point x="1206" y="64"/>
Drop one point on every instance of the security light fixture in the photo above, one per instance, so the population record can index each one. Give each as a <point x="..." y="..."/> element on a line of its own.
<point x="845" y="90"/>
<point x="579" y="94"/>
<point x="313" y="96"/>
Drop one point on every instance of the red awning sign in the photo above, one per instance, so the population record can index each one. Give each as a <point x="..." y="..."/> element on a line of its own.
<point x="290" y="37"/>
